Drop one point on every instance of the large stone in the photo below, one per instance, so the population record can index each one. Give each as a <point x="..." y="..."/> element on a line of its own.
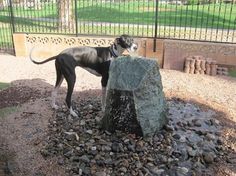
<point x="135" y="100"/>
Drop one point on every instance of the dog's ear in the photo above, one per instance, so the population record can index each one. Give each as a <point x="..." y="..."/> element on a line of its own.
<point x="118" y="41"/>
<point x="126" y="39"/>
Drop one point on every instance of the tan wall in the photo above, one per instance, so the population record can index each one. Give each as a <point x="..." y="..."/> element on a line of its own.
<point x="158" y="54"/>
<point x="48" y="45"/>
<point x="20" y="44"/>
<point x="169" y="53"/>
<point x="176" y="51"/>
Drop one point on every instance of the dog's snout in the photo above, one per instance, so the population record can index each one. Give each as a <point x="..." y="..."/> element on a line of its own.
<point x="134" y="47"/>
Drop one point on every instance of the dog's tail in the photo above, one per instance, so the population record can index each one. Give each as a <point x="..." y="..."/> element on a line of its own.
<point x="42" y="62"/>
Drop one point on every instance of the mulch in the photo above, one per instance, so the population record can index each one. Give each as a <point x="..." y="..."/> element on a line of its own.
<point x="14" y="96"/>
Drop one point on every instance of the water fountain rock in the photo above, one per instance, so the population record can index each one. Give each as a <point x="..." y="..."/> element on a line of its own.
<point x="135" y="100"/>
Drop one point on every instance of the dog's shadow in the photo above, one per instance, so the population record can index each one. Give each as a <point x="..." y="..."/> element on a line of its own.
<point x="43" y="90"/>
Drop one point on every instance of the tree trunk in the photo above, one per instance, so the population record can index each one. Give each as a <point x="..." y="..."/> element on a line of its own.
<point x="66" y="14"/>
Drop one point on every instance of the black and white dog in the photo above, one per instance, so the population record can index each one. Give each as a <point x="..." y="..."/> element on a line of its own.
<point x="96" y="60"/>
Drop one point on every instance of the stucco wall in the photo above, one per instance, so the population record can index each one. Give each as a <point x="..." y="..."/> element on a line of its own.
<point x="169" y="53"/>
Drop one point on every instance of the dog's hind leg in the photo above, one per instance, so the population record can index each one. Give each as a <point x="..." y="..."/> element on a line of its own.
<point x="67" y="66"/>
<point x="70" y="78"/>
<point x="59" y="81"/>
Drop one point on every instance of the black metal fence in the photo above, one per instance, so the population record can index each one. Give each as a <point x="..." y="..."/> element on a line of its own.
<point x="6" y="40"/>
<point x="202" y="20"/>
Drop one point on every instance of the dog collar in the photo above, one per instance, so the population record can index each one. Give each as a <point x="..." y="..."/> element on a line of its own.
<point x="113" y="51"/>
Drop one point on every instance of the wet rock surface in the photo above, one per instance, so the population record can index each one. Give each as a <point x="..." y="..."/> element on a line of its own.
<point x="188" y="145"/>
<point x="135" y="101"/>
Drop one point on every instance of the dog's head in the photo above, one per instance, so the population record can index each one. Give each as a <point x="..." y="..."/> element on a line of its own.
<point x="125" y="42"/>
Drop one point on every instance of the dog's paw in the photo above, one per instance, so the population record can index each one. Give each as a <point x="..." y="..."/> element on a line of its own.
<point x="54" y="106"/>
<point x="73" y="113"/>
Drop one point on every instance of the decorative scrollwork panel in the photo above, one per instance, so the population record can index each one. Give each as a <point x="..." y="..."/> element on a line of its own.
<point x="68" y="41"/>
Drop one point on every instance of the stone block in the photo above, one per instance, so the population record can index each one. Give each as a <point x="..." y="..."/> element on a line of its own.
<point x="135" y="101"/>
<point x="20" y="44"/>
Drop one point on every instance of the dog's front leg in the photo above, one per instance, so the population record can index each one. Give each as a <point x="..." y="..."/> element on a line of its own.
<point x="104" y="94"/>
<point x="104" y="89"/>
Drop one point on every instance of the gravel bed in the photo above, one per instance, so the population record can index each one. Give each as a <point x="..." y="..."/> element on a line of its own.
<point x="190" y="144"/>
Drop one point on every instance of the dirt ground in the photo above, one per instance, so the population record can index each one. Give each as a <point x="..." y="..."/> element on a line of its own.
<point x="22" y="132"/>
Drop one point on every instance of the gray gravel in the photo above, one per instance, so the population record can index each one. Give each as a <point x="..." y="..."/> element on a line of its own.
<point x="188" y="145"/>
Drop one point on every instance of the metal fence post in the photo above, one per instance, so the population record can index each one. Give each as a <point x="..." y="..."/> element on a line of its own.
<point x="11" y="15"/>
<point x="156" y="21"/>
<point x="76" y="19"/>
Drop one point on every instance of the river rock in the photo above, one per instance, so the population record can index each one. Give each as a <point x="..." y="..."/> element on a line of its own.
<point x="209" y="157"/>
<point x="135" y="101"/>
